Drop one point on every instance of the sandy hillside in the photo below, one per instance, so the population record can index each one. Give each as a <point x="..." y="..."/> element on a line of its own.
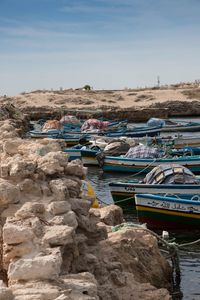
<point x="129" y="98"/>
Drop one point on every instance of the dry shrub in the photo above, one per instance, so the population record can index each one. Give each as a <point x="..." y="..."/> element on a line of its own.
<point x="111" y="101"/>
<point x="120" y="98"/>
<point x="144" y="97"/>
<point x="132" y="94"/>
<point x="192" y="94"/>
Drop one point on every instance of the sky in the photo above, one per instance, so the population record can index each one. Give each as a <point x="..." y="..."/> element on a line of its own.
<point x="108" y="44"/>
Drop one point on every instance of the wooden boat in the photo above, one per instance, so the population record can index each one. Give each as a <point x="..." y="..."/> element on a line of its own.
<point x="135" y="165"/>
<point x="169" y="125"/>
<point x="73" y="153"/>
<point x="121" y="191"/>
<point x="165" y="179"/>
<point x="69" y="139"/>
<point x="186" y="151"/>
<point x="45" y="134"/>
<point x="88" y="156"/>
<point x="174" y="126"/>
<point x="137" y="132"/>
<point x="177" y="142"/>
<point x="163" y="212"/>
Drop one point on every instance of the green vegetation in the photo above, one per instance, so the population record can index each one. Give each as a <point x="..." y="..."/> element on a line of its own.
<point x="87" y="87"/>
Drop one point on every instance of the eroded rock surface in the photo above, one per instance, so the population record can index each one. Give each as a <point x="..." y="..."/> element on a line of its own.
<point x="54" y="245"/>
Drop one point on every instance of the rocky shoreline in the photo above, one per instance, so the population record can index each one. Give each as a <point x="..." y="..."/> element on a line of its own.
<point x="53" y="245"/>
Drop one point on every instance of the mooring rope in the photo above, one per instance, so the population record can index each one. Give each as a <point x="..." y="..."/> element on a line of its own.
<point x="189" y="244"/>
<point x="141" y="171"/>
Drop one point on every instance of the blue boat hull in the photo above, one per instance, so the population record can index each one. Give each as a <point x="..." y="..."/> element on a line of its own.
<point x="119" y="164"/>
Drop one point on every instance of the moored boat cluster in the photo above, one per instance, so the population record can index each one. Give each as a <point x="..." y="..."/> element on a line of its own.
<point x="117" y="147"/>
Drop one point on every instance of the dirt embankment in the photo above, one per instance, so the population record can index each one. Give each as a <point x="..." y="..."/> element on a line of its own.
<point x="133" y="104"/>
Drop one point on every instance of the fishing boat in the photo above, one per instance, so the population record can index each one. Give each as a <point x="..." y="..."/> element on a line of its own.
<point x="137" y="132"/>
<point x="126" y="190"/>
<point x="164" y="179"/>
<point x="135" y="165"/>
<point x="169" y="125"/>
<point x="122" y="131"/>
<point x="177" y="141"/>
<point x="69" y="139"/>
<point x="164" y="212"/>
<point x="88" y="156"/>
<point x="173" y="126"/>
<point x="73" y="153"/>
<point x="186" y="151"/>
<point x="37" y="134"/>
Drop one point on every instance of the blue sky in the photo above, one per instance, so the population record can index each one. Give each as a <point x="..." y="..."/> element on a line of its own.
<point x="108" y="44"/>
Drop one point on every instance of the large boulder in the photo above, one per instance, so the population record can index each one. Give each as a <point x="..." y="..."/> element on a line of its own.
<point x="33" y="290"/>
<point x="58" y="235"/>
<point x="9" y="193"/>
<point x="111" y="215"/>
<point x="52" y="163"/>
<point x="15" y="234"/>
<point x="59" y="189"/>
<point x="37" y="268"/>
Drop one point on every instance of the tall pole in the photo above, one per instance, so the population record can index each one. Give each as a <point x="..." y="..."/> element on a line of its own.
<point x="158" y="81"/>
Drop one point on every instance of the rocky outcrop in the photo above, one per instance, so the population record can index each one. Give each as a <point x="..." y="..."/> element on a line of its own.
<point x="180" y="108"/>
<point x="55" y="247"/>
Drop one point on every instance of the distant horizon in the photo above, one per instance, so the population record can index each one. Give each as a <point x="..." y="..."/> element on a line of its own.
<point x="109" y="44"/>
<point x="106" y="89"/>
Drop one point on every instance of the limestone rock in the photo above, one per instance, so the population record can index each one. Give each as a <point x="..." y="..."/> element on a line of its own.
<point x="82" y="284"/>
<point x="111" y="215"/>
<point x="59" y="207"/>
<point x="80" y="206"/>
<point x="30" y="210"/>
<point x="52" y="163"/>
<point x="75" y="169"/>
<point x="73" y="187"/>
<point x="11" y="146"/>
<point x="17" y="251"/>
<point x="39" y="290"/>
<point x="21" y="167"/>
<point x="59" y="189"/>
<point x="14" y="234"/>
<point x="37" y="268"/>
<point x="28" y="186"/>
<point x="93" y="231"/>
<point x="58" y="235"/>
<point x="9" y="193"/>
<point x="66" y="219"/>
<point x="137" y="251"/>
<point x="63" y="297"/>
<point x="39" y="147"/>
<point x="6" y="294"/>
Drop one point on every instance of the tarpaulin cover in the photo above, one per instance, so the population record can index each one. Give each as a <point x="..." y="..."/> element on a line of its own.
<point x="142" y="151"/>
<point x="94" y="125"/>
<point x="170" y="173"/>
<point x="51" y="124"/>
<point x="69" y="119"/>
